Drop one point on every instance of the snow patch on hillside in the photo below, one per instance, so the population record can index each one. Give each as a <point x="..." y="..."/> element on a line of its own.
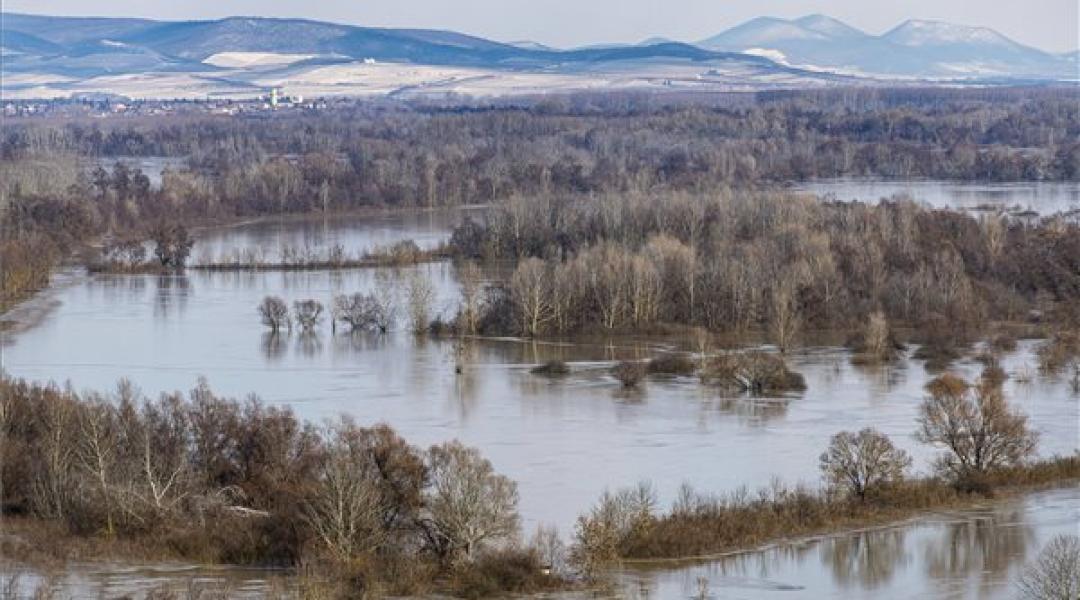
<point x="242" y="60"/>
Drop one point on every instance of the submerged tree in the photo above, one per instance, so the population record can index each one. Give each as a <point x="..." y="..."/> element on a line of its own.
<point x="172" y="244"/>
<point x="308" y="313"/>
<point x="420" y="295"/>
<point x="274" y="313"/>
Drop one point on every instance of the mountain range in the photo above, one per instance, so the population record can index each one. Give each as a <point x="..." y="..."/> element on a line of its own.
<point x="913" y="49"/>
<point x="58" y="56"/>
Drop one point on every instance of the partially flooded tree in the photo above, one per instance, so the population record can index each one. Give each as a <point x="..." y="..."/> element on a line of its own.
<point x="530" y="290"/>
<point x="172" y="244"/>
<point x="860" y="462"/>
<point x="1055" y="574"/>
<point x="308" y="313"/>
<point x="469" y="503"/>
<point x="274" y="313"/>
<point x="421" y="296"/>
<point x="976" y="426"/>
<point x="784" y="318"/>
<point x="471" y="286"/>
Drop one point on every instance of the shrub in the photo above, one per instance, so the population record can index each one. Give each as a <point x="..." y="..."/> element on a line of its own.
<point x="754" y="372"/>
<point x="498" y="572"/>
<point x="1059" y="350"/>
<point x="672" y="364"/>
<point x="629" y="373"/>
<point x="551" y="367"/>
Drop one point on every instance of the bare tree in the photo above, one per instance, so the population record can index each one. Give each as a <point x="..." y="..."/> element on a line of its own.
<point x="274" y="313"/>
<point x="421" y="295"/>
<point x="345" y="507"/>
<point x="784" y="319"/>
<point x="308" y="313"/>
<point x="975" y="425"/>
<point x="469" y="503"/>
<point x="859" y="462"/>
<point x="1055" y="574"/>
<point x="530" y="287"/>
<point x="98" y="450"/>
<point x="471" y="285"/>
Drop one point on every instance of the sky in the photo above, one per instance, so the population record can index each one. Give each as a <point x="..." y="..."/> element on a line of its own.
<point x="1046" y="24"/>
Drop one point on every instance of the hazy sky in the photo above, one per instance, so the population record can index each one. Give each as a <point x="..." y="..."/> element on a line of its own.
<point x="1047" y="24"/>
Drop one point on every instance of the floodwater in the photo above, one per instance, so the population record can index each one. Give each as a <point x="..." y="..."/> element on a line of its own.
<point x="1042" y="197"/>
<point x="564" y="440"/>
<point x="151" y="166"/>
<point x="977" y="554"/>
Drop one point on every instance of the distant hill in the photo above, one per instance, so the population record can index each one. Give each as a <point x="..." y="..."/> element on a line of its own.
<point x="46" y="56"/>
<point x="914" y="49"/>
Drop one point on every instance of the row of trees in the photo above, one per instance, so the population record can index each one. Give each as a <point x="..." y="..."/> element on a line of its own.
<point x="376" y="311"/>
<point x="983" y="441"/>
<point x="249" y="483"/>
<point x="739" y="260"/>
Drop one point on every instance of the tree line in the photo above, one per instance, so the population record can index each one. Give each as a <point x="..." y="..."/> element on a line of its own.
<point x="779" y="262"/>
<point x="380" y="153"/>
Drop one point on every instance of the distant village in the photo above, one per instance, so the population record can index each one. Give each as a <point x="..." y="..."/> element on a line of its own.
<point x="111" y="105"/>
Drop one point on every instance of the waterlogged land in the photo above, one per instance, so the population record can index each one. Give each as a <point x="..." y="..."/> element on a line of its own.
<point x="971" y="553"/>
<point x="1042" y="198"/>
<point x="974" y="553"/>
<point x="563" y="439"/>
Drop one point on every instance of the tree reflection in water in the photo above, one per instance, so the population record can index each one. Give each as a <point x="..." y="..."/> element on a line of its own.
<point x="867" y="559"/>
<point x="171" y="294"/>
<point x="274" y="345"/>
<point x="984" y="546"/>
<point x="309" y="343"/>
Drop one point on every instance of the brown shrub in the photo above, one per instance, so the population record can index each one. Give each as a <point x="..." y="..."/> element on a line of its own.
<point x="629" y="373"/>
<point x="551" y="367"/>
<point x="754" y="372"/>
<point x="672" y="364"/>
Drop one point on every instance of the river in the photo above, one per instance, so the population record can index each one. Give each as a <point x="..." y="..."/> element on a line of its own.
<point x="564" y="440"/>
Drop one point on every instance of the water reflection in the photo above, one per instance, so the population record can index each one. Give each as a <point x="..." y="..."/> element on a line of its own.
<point x="983" y="545"/>
<point x="309" y="343"/>
<point x="975" y="553"/>
<point x="171" y="295"/>
<point x="274" y="345"/>
<point x="866" y="560"/>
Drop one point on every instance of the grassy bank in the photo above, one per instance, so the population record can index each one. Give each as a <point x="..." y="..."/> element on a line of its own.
<point x="623" y="527"/>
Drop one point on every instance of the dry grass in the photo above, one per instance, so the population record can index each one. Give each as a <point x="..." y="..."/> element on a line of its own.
<point x="701" y="525"/>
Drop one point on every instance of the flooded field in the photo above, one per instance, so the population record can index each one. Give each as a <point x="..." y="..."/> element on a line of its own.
<point x="964" y="554"/>
<point x="564" y="440"/>
<point x="1043" y="198"/>
<point x="975" y="553"/>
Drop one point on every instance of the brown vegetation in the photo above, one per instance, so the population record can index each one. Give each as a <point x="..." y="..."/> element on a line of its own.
<point x="210" y="479"/>
<point x="776" y="263"/>
<point x="630" y="373"/>
<point x="977" y="428"/>
<point x="987" y="443"/>
<point x="861" y="462"/>
<point x="754" y="372"/>
<point x="1055" y="574"/>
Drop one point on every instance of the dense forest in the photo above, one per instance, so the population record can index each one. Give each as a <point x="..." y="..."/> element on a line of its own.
<point x="766" y="260"/>
<point x="382" y="153"/>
